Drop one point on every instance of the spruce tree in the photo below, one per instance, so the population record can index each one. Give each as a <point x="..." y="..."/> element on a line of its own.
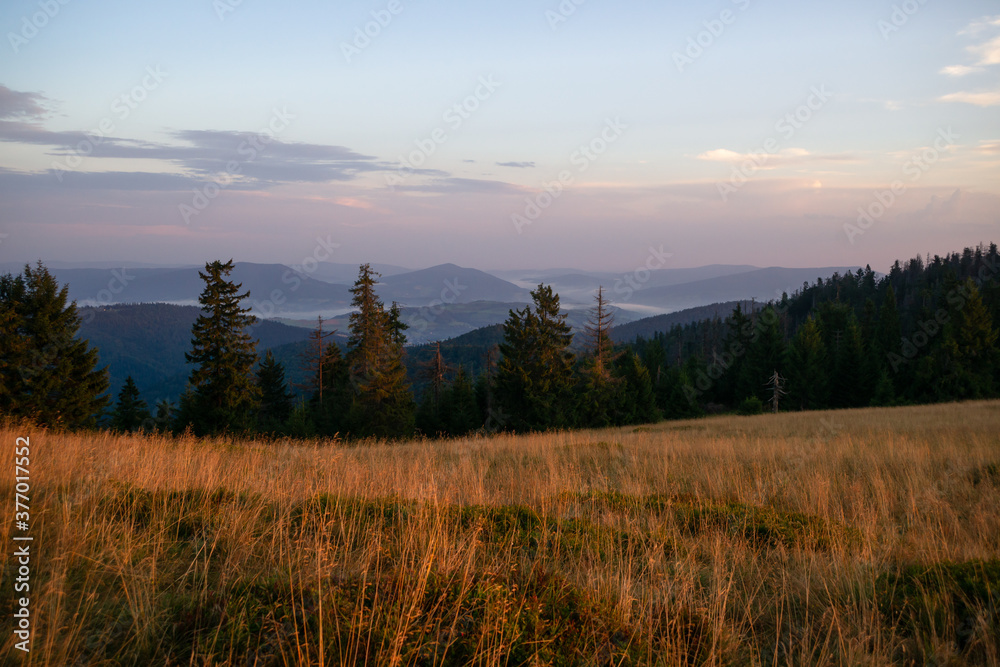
<point x="735" y="347"/>
<point x="332" y="400"/>
<point x="384" y="405"/>
<point x="47" y="374"/>
<point x="638" y="405"/>
<point x="889" y="337"/>
<point x="275" y="405"/>
<point x="973" y="344"/>
<point x="463" y="413"/>
<point x="164" y="414"/>
<point x="806" y="368"/>
<point x="222" y="394"/>
<point x="765" y="355"/>
<point x="131" y="412"/>
<point x="534" y="380"/>
<point x="430" y="415"/>
<point x="845" y="356"/>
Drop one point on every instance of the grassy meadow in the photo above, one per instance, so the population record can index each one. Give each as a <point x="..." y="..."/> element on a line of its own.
<point x="861" y="537"/>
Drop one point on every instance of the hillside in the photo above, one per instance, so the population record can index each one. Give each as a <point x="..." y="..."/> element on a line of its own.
<point x="272" y="287"/>
<point x="760" y="284"/>
<point x="148" y="342"/>
<point x="648" y="326"/>
<point x="448" y="283"/>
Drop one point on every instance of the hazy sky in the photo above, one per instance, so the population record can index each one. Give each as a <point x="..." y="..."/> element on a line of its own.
<point x="499" y="134"/>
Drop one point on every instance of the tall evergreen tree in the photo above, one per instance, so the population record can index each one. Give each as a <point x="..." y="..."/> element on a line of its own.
<point x="638" y="404"/>
<point x="332" y="401"/>
<point x="463" y="413"/>
<point x="431" y="418"/>
<point x="47" y="374"/>
<point x="222" y="394"/>
<point x="131" y="412"/>
<point x="164" y="414"/>
<point x="275" y="405"/>
<point x="842" y="339"/>
<point x="384" y="405"/>
<point x="535" y="377"/>
<point x="973" y="343"/>
<point x="764" y="356"/>
<point x="727" y="363"/>
<point x="806" y="368"/>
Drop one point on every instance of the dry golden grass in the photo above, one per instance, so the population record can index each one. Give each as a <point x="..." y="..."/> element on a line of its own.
<point x="862" y="537"/>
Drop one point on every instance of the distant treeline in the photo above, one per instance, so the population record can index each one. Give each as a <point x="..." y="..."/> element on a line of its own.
<point x="924" y="332"/>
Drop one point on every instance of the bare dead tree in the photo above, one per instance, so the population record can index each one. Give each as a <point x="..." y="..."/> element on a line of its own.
<point x="313" y="360"/>
<point x="436" y="371"/>
<point x="776" y="383"/>
<point x="598" y="334"/>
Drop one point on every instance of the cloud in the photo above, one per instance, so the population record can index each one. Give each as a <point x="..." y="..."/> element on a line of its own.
<point x="960" y="70"/>
<point x="248" y="159"/>
<point x="989" y="146"/>
<point x="12" y="181"/>
<point x="978" y="26"/>
<point x="453" y="185"/>
<point x="938" y="208"/>
<point x="517" y="165"/>
<point x="353" y="202"/>
<point x="722" y="155"/>
<point x="783" y="157"/>
<point x="988" y="52"/>
<point x="985" y="54"/>
<point x="990" y="98"/>
<point x="22" y="106"/>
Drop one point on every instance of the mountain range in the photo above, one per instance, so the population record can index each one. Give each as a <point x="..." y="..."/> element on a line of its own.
<point x="439" y="302"/>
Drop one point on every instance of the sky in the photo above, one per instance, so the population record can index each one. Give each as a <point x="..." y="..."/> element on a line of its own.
<point x="499" y="135"/>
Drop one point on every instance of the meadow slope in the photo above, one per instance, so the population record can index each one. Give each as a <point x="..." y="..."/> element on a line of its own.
<point x="861" y="537"/>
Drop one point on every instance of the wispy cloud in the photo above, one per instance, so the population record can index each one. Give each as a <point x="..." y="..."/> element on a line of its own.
<point x="517" y="165"/>
<point x="198" y="155"/>
<point x="454" y="185"/>
<point x="988" y="146"/>
<point x="23" y="106"/>
<point x="989" y="98"/>
<point x="985" y="53"/>
<point x="960" y="70"/>
<point x="784" y="157"/>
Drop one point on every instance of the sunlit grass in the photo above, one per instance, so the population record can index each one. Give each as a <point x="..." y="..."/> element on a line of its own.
<point x="850" y="537"/>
